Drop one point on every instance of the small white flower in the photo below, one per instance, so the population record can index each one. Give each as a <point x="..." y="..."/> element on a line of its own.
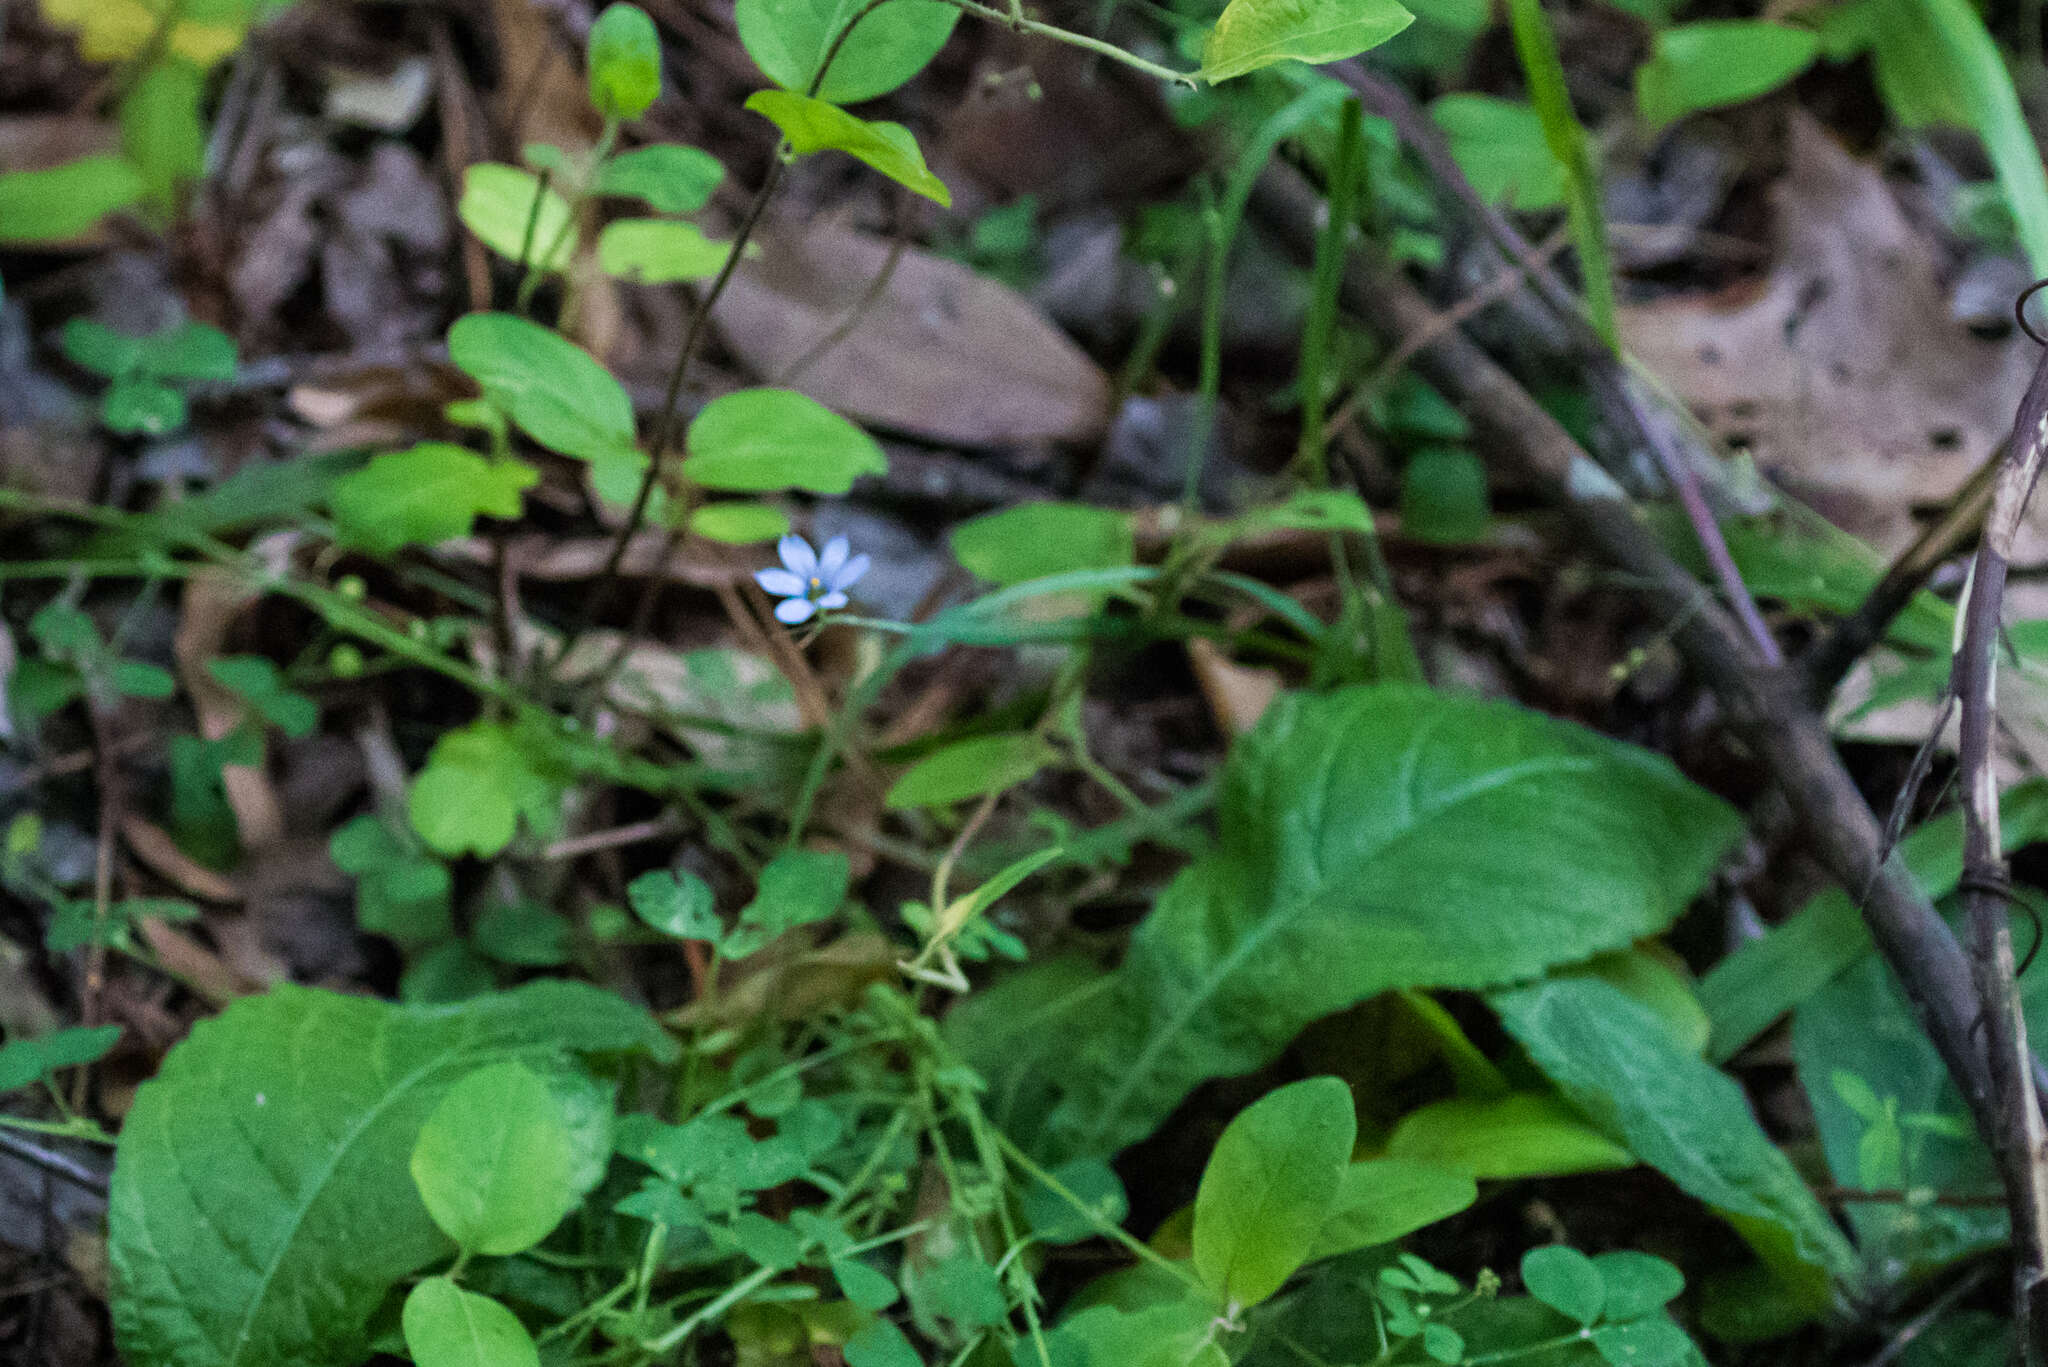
<point x="809" y="583"/>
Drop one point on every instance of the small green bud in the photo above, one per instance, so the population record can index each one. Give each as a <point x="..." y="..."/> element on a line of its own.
<point x="625" y="62"/>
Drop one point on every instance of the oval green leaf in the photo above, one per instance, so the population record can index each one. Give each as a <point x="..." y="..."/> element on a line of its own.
<point x="1565" y="1280"/>
<point x="555" y="390"/>
<point x="658" y="251"/>
<point x="756" y="440"/>
<point x="1719" y="62"/>
<point x="424" y="495"/>
<point x="1269" y="1186"/>
<point x="1038" y="539"/>
<point x="1254" y="33"/>
<point x="789" y="38"/>
<point x="624" y="62"/>
<point x="495" y="1164"/>
<point x="815" y="126"/>
<point x="499" y="205"/>
<point x="445" y="1326"/>
<point x="1382" y="1199"/>
<point x="971" y="768"/>
<point x="667" y="176"/>
<point x="1499" y="145"/>
<point x="739" y="524"/>
<point x="64" y="201"/>
<point x="1523" y="1134"/>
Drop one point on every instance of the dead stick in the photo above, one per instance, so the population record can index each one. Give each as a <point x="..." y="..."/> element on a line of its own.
<point x="2017" y="1139"/>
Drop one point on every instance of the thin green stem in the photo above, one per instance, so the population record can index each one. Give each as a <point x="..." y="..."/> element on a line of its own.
<point x="1014" y="21"/>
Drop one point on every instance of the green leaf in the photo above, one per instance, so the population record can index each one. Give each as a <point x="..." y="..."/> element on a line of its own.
<point x="100" y="349"/>
<point x="400" y="893"/>
<point x="970" y="768"/>
<point x="788" y="40"/>
<point x="658" y="251"/>
<point x="23" y="1061"/>
<point x="1655" y="1342"/>
<point x="555" y="390"/>
<point x="880" y="1344"/>
<point x="257" y="682"/>
<point x="425" y="495"/>
<point x="1523" y="1134"/>
<point x="524" y="933"/>
<point x="445" y="1326"/>
<point x="64" y="201"/>
<point x="513" y="215"/>
<point x="676" y="904"/>
<point x="1565" y="1280"/>
<point x="137" y="404"/>
<point x="1637" y="1284"/>
<point x="624" y="61"/>
<point x="1383" y="1199"/>
<point x="190" y="351"/>
<point x="261" y="1206"/>
<point x="755" y="440"/>
<point x="1269" y="1186"/>
<point x="1443" y="496"/>
<point x="1369" y="839"/>
<point x="1037" y="539"/>
<point x="1770" y="975"/>
<point x="141" y="679"/>
<point x="863" y="1285"/>
<point x="815" y="126"/>
<point x="1619" y="1064"/>
<point x="1250" y="34"/>
<point x="1053" y="1217"/>
<point x="797" y="888"/>
<point x="161" y="130"/>
<point x="496" y="1164"/>
<point x="479" y="780"/>
<point x="1719" y="62"/>
<point x="739" y="524"/>
<point x="667" y="176"/>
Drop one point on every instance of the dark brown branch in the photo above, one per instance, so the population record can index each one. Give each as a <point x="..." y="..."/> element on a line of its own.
<point x="2017" y="1136"/>
<point x="1829" y="660"/>
<point x="1766" y="706"/>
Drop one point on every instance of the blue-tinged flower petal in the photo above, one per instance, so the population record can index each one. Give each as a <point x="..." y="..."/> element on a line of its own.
<point x="832" y="557"/>
<point x="795" y="610"/>
<point x="797" y="556"/>
<point x="832" y="600"/>
<point x="849" y="574"/>
<point x="781" y="583"/>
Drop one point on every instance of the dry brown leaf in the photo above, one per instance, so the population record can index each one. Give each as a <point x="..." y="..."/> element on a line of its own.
<point x="541" y="95"/>
<point x="1844" y="373"/>
<point x="1238" y="695"/>
<point x="153" y="846"/>
<point x="212" y="600"/>
<point x="943" y="354"/>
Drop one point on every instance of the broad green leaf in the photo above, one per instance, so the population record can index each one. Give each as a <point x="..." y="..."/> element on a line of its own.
<point x="815" y="126"/>
<point x="1038" y="539"/>
<point x="1054" y="1218"/>
<point x="425" y="495"/>
<point x="1636" y="1284"/>
<point x="189" y="351"/>
<point x="676" y="904"/>
<point x="1619" y="1065"/>
<point x="1719" y="62"/>
<point x="970" y="768"/>
<point x="1653" y="1342"/>
<point x="495" y="1163"/>
<point x="1565" y="1280"/>
<point x="524" y="933"/>
<point x="23" y="1061"/>
<point x="1178" y="1333"/>
<point x="1523" y="1134"/>
<point x="667" y="176"/>
<point x="261" y="1206"/>
<point x="517" y="217"/>
<point x="445" y="1326"/>
<point x="1658" y="979"/>
<point x="555" y="390"/>
<point x="739" y="524"/>
<point x="658" y="251"/>
<point x="624" y="62"/>
<point x="161" y="130"/>
<point x="1770" y="975"/>
<point x="1857" y="1048"/>
<point x="1272" y="1181"/>
<point x="1443" y="496"/>
<point x="136" y="403"/>
<point x="400" y="892"/>
<point x="1383" y="1199"/>
<point x="1369" y="839"/>
<point x="1250" y="34"/>
<point x="798" y="887"/>
<point x="258" y="682"/>
<point x="479" y="780"/>
<point x="879" y="1343"/>
<point x="90" y="343"/>
<point x="755" y="440"/>
<point x="64" y="201"/>
<point x="788" y="40"/>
